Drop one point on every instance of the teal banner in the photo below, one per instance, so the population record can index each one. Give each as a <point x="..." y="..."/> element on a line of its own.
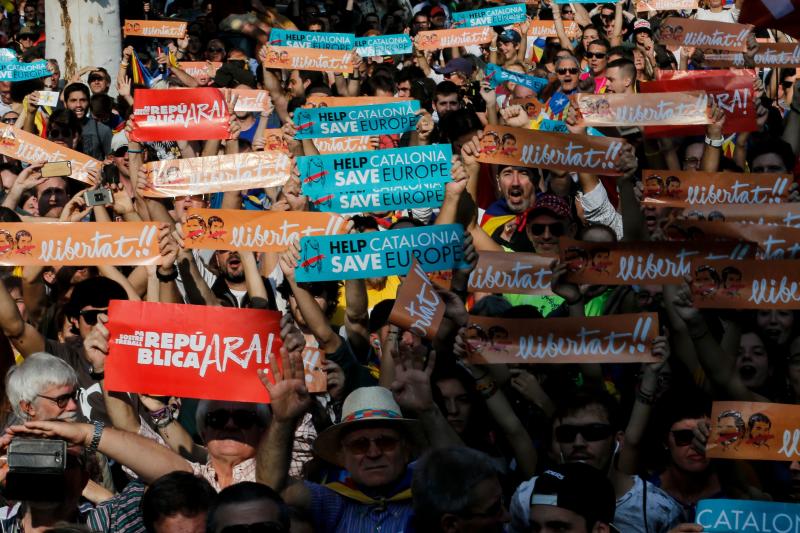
<point x="757" y="516"/>
<point x="375" y="119"/>
<point x="497" y="75"/>
<point x="383" y="45"/>
<point x="312" y="39"/>
<point x="380" y="253"/>
<point x="490" y="16"/>
<point x="18" y="71"/>
<point x="383" y="180"/>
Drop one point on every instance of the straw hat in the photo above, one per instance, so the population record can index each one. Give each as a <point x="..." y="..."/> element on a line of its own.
<point x="367" y="407"/>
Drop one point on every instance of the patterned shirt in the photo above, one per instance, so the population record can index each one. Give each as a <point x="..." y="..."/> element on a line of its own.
<point x="333" y="513"/>
<point x="245" y="471"/>
<point x="120" y="514"/>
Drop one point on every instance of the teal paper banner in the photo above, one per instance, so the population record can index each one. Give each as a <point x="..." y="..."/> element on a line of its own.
<point x="312" y="39"/>
<point x="384" y="45"/>
<point x="380" y="253"/>
<point x="18" y="71"/>
<point x="382" y="180"/>
<point x="376" y="119"/>
<point x="490" y="16"/>
<point x="756" y="516"/>
<point x="497" y="75"/>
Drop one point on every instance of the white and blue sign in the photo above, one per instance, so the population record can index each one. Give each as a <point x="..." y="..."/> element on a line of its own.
<point x="380" y="253"/>
<point x="748" y="516"/>
<point x="384" y="45"/>
<point x="490" y="16"/>
<point x="376" y="119"/>
<point x="382" y="180"/>
<point x="19" y="71"/>
<point x="497" y="75"/>
<point x="559" y="126"/>
<point x="312" y="39"/>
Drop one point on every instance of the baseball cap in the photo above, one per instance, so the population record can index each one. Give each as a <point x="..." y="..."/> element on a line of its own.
<point x="552" y="205"/>
<point x="458" y="64"/>
<point x="642" y="26"/>
<point x="437" y="10"/>
<point x="510" y="36"/>
<point x="119" y="140"/>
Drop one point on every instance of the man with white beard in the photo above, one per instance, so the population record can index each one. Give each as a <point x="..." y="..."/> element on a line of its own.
<point x="43" y="387"/>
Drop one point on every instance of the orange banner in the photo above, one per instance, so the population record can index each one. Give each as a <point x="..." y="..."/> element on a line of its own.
<point x="784" y="214"/>
<point x="274" y="141"/>
<point x="666" y="5"/>
<point x="695" y="188"/>
<point x="200" y="70"/>
<point x="704" y="34"/>
<point x="252" y="100"/>
<point x="79" y="243"/>
<point x="630" y="262"/>
<point x="258" y="231"/>
<point x="753" y="284"/>
<point x="605" y="339"/>
<point x="192" y="351"/>
<point x="547" y="28"/>
<point x="216" y="173"/>
<point x="655" y="109"/>
<point x="537" y="149"/>
<point x="532" y="106"/>
<point x="418" y="308"/>
<point x="773" y="242"/>
<point x="752" y="430"/>
<point x="511" y="273"/>
<point x="768" y="55"/>
<point x="162" y="29"/>
<point x="309" y="59"/>
<point x="30" y="148"/>
<point x="438" y="39"/>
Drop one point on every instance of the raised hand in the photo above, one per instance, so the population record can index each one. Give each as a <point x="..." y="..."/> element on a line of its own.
<point x="289" y="397"/>
<point x="95" y="344"/>
<point x="412" y="387"/>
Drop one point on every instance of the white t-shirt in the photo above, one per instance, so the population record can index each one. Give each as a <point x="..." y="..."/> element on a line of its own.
<point x="726" y="15"/>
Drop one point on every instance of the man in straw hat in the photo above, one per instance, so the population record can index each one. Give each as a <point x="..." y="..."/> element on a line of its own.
<point x="374" y="443"/>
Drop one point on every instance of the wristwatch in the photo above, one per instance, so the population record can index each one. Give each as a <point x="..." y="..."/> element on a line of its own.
<point x="97" y="376"/>
<point x="715" y="143"/>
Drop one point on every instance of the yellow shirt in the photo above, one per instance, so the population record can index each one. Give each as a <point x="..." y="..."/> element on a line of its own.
<point x="373" y="298"/>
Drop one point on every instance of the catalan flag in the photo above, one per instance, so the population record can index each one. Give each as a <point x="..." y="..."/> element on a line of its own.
<point x="538" y="49"/>
<point x="142" y="76"/>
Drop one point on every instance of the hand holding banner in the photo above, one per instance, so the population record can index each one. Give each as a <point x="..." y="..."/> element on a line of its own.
<point x="180" y="115"/>
<point x="643" y="109"/>
<point x="704" y="34"/>
<point x="418" y="308"/>
<point x="676" y="188"/>
<point x="753" y="430"/>
<point x="380" y="119"/>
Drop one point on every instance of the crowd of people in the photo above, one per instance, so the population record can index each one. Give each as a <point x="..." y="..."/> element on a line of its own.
<point x="411" y="434"/>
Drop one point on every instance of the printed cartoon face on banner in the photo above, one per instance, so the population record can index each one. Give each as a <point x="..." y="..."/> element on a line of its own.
<point x="643" y="109"/>
<point x="308" y="59"/>
<point x="694" y="188"/>
<point x="771" y="241"/>
<point x="704" y="34"/>
<point x="438" y="39"/>
<point x="163" y="29"/>
<point x="754" y="284"/>
<point x="752" y="430"/>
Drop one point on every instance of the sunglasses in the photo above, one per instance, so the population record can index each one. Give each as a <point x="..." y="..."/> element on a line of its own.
<point x="683" y="437"/>
<point x="63" y="400"/>
<point x="595" y="55"/>
<point x="215" y="50"/>
<point x="557" y="229"/>
<point x="258" y="527"/>
<point x="385" y="444"/>
<point x="93" y="79"/>
<point x="90" y="315"/>
<point x="591" y="432"/>
<point x="9" y="120"/>
<point x="59" y="133"/>
<point x="242" y="419"/>
<point x="571" y="70"/>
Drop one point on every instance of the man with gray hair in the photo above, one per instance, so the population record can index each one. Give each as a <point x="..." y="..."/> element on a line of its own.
<point x="43" y="387"/>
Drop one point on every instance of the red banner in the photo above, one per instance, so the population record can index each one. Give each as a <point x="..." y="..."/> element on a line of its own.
<point x="179" y="115"/>
<point x="732" y="90"/>
<point x="190" y="351"/>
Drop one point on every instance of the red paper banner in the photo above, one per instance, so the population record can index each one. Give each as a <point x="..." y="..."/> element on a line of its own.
<point x="179" y="115"/>
<point x="190" y="351"/>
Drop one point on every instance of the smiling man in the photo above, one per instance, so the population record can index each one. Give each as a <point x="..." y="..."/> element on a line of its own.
<point x="96" y="137"/>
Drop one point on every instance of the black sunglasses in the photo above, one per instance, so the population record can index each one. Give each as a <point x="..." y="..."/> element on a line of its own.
<point x="591" y="432"/>
<point x="9" y="120"/>
<point x="241" y="418"/>
<point x="90" y="315"/>
<point x="59" y="133"/>
<point x="63" y="400"/>
<point x="683" y="437"/>
<point x="571" y="70"/>
<point x="258" y="527"/>
<point x="557" y="229"/>
<point x="216" y="50"/>
<point x="596" y="55"/>
<point x="93" y="79"/>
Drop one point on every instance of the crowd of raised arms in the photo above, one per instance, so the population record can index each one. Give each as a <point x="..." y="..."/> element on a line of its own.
<point x="389" y="266"/>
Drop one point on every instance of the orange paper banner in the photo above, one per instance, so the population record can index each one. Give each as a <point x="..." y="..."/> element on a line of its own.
<point x="704" y="34"/>
<point x="202" y="71"/>
<point x="418" y="308"/>
<point x="695" y="188"/>
<point x="768" y="55"/>
<point x="511" y="273"/>
<point x="252" y="100"/>
<point x="532" y="106"/>
<point x="753" y="430"/>
<point x="547" y="28"/>
<point x="773" y="242"/>
<point x="79" y="243"/>
<point x="162" y="29"/>
<point x="309" y="59"/>
<point x="30" y="148"/>
<point x="630" y="262"/>
<point x="258" y="231"/>
<point x="784" y="214"/>
<point x="438" y="39"/>
<point x="753" y="284"/>
<point x="655" y="109"/>
<point x="666" y="5"/>
<point x="216" y="173"/>
<point x="537" y="149"/>
<point x="606" y="339"/>
<point x="274" y="141"/>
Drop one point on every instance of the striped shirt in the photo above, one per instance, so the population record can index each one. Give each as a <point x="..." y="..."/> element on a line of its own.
<point x="120" y="514"/>
<point x="333" y="513"/>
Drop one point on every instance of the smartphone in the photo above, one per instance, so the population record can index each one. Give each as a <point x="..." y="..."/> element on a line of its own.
<point x="36" y="470"/>
<point x="100" y="196"/>
<point x="56" y="169"/>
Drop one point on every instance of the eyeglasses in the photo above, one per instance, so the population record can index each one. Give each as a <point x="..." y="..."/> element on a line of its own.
<point x="571" y="70"/>
<point x="63" y="400"/>
<point x="557" y="229"/>
<point x="385" y="444"/>
<point x="95" y="78"/>
<point x="595" y="55"/>
<point x="215" y="50"/>
<point x="242" y="418"/>
<point x="682" y="437"/>
<point x="59" y="133"/>
<point x="90" y="315"/>
<point x="258" y="527"/>
<point x="9" y="120"/>
<point x="591" y="432"/>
